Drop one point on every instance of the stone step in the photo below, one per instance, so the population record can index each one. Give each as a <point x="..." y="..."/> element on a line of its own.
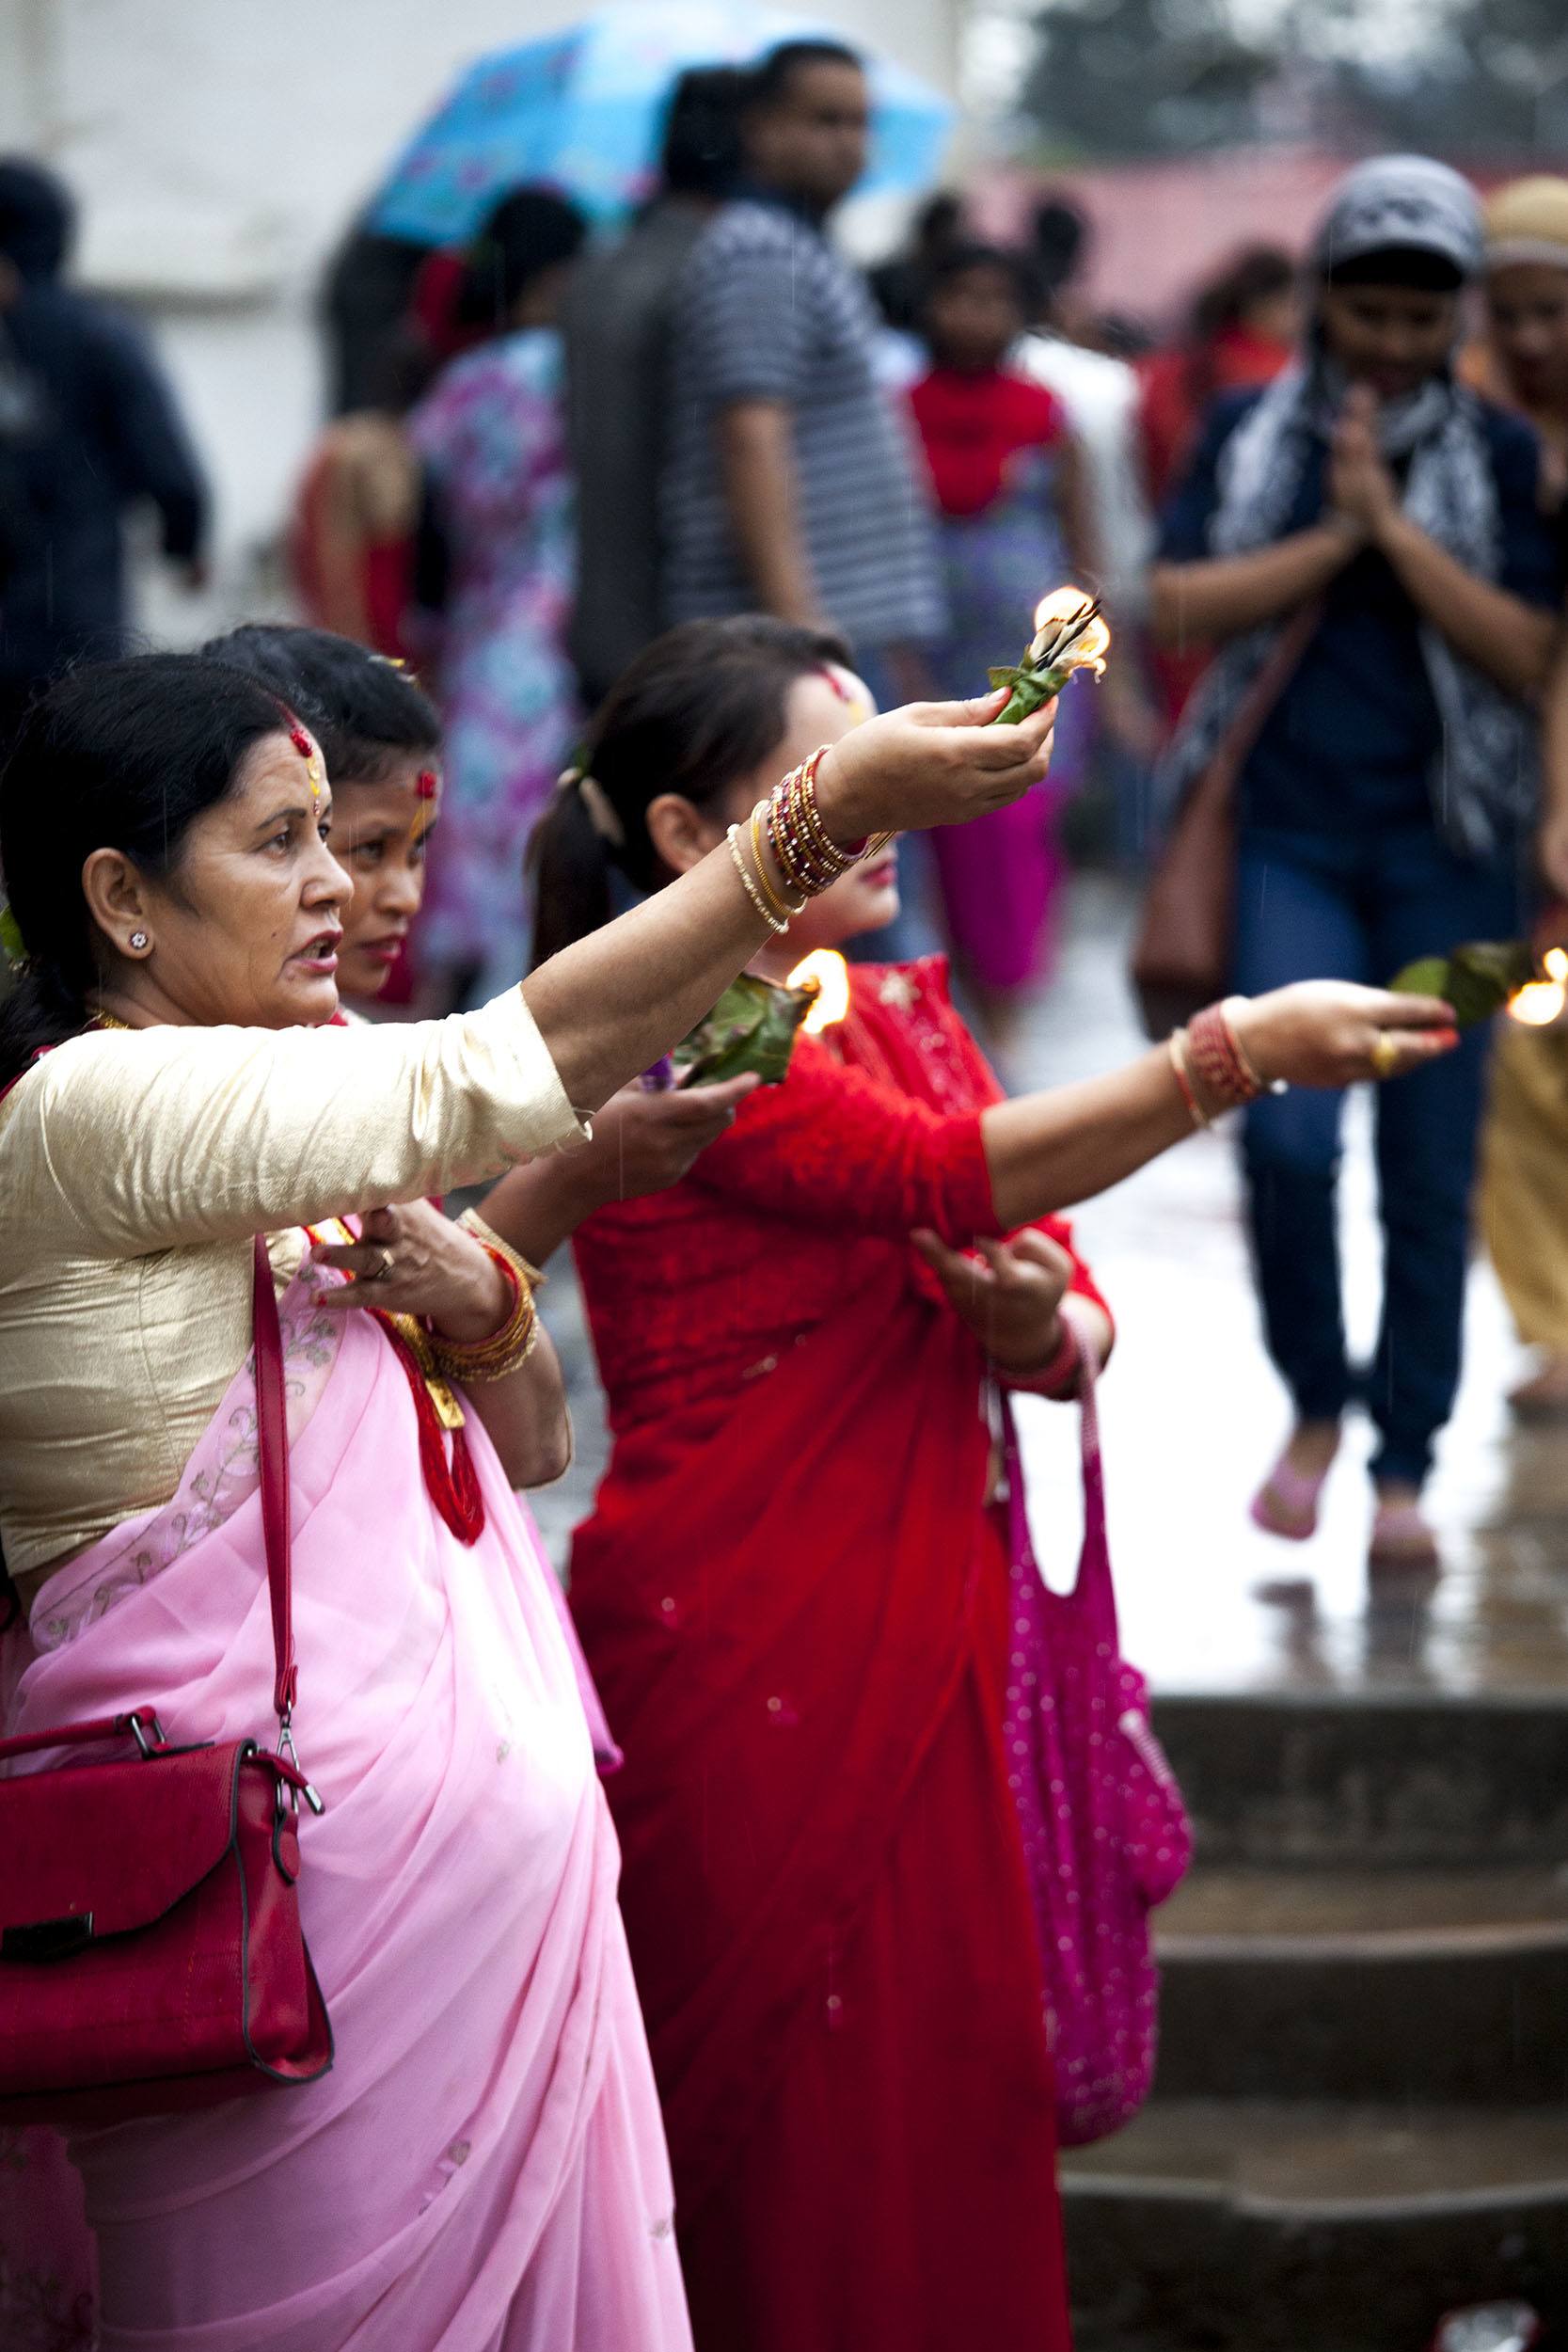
<point x="1241" y="2226"/>
<point x="1394" y="1984"/>
<point x="1361" y="1779"/>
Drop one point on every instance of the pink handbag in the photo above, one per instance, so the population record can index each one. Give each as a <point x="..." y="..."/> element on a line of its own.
<point x="1105" y="1834"/>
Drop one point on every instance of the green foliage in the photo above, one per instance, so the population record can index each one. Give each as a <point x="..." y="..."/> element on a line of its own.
<point x="1470" y="78"/>
<point x="1477" y="980"/>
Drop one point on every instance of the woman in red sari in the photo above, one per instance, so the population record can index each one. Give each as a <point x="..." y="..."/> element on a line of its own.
<point x="792" y="1591"/>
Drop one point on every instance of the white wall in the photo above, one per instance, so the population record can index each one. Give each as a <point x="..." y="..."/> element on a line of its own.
<point x="218" y="148"/>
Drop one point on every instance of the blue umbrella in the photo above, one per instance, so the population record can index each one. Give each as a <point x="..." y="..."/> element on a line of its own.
<point x="582" y="109"/>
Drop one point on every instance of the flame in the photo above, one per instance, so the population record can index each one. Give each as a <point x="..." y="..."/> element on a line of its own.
<point x="1539" y="1002"/>
<point x="827" y="971"/>
<point x="1087" y="650"/>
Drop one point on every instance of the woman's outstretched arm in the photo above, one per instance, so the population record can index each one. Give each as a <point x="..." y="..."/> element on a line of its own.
<point x="1047" y="1151"/>
<point x="613" y="1003"/>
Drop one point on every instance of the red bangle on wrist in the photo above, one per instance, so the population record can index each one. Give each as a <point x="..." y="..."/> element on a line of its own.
<point x="1059" y="1375"/>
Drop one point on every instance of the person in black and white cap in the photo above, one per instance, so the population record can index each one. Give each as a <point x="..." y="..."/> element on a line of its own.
<point x="1363" y="542"/>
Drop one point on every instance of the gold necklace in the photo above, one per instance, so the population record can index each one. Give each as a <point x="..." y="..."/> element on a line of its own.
<point x="108" y="1021"/>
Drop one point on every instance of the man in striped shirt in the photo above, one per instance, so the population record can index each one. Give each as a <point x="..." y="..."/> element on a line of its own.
<point x="792" y="486"/>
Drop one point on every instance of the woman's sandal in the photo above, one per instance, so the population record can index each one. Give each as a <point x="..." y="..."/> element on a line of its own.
<point x="1286" y="1504"/>
<point x="1403" y="1538"/>
<point x="1544" y="1397"/>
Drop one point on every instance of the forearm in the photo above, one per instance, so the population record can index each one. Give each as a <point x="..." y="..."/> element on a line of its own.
<point x="538" y="1207"/>
<point x="756" y="464"/>
<point x="1193" y="604"/>
<point x="1047" y="1151"/>
<point x="611" y="1005"/>
<point x="526" y="1418"/>
<point x="1510" y="640"/>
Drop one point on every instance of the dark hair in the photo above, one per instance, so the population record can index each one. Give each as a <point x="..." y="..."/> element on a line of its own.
<point x="696" y="711"/>
<point x="957" y="260"/>
<point x="700" y="150"/>
<point x="1255" y="274"/>
<point x="1059" y="234"/>
<point x="37" y="219"/>
<point x="530" y="230"/>
<point x="1414" y="269"/>
<point x="364" y="710"/>
<point x="114" y="755"/>
<point x="938" y="223"/>
<point x="768" y="83"/>
<point x="1258" y="273"/>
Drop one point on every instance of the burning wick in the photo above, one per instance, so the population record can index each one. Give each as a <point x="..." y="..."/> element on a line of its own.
<point x="1070" y="634"/>
<point x="826" y="971"/>
<point x="1539" y="1002"/>
<point x="1070" y="622"/>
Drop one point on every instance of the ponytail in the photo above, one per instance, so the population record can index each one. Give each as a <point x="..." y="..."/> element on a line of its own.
<point x="697" y="712"/>
<point x="570" y="860"/>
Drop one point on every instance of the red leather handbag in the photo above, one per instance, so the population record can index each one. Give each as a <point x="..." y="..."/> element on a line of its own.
<point x="152" y="1957"/>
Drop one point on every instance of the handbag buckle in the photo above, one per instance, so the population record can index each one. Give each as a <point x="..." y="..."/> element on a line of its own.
<point x="297" y="1785"/>
<point x="144" y="1722"/>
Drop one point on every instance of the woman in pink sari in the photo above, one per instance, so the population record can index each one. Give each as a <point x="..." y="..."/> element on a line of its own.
<point x="483" y="2170"/>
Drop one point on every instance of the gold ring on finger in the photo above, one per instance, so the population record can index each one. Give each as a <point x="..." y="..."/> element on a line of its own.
<point x="1385" y="1054"/>
<point x="378" y="1273"/>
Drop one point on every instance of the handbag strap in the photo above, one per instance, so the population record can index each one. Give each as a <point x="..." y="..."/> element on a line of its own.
<point x="272" y="1448"/>
<point x="1093" y="1589"/>
<point x="272" y="1445"/>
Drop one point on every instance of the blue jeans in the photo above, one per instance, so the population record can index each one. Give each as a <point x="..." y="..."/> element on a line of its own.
<point x="1358" y="907"/>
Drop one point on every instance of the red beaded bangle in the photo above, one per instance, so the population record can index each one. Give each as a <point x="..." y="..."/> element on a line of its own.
<point x="1216" y="1063"/>
<point x="1196" y="1111"/>
<point x="1059" y="1375"/>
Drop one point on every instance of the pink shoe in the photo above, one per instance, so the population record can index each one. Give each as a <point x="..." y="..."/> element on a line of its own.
<point x="1403" y="1538"/>
<point x="1286" y="1504"/>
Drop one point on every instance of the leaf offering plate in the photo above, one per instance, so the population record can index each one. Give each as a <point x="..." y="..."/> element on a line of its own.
<point x="1477" y="980"/>
<point x="752" y="1027"/>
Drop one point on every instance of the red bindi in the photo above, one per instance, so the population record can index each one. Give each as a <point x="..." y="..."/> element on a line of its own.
<point x="301" y="742"/>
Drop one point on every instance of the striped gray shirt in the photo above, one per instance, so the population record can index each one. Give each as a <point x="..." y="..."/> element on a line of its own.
<point x="767" y="310"/>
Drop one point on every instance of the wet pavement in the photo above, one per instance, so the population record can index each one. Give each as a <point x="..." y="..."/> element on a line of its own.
<point x="1194" y="1414"/>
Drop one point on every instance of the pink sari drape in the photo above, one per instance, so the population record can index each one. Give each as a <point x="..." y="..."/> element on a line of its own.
<point x="483" y="2171"/>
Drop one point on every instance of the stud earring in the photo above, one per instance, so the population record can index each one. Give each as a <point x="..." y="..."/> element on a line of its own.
<point x="138" y="941"/>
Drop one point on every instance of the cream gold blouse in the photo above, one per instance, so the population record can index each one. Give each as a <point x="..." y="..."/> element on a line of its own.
<point x="136" y="1165"/>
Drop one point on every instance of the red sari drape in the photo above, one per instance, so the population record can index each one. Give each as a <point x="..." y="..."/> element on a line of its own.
<point x="794" y="1601"/>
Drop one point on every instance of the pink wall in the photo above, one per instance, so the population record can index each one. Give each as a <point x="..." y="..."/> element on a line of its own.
<point x="1161" y="228"/>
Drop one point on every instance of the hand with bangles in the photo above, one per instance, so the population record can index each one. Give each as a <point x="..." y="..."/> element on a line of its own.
<point x="1333" y="1033"/>
<point x="411" y="1260"/>
<point x="1009" y="1294"/>
<point x="931" y="764"/>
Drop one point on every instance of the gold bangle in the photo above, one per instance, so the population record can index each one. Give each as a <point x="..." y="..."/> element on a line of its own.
<point x="776" y="900"/>
<point x="473" y="1223"/>
<point x="475" y="1362"/>
<point x="774" y="923"/>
